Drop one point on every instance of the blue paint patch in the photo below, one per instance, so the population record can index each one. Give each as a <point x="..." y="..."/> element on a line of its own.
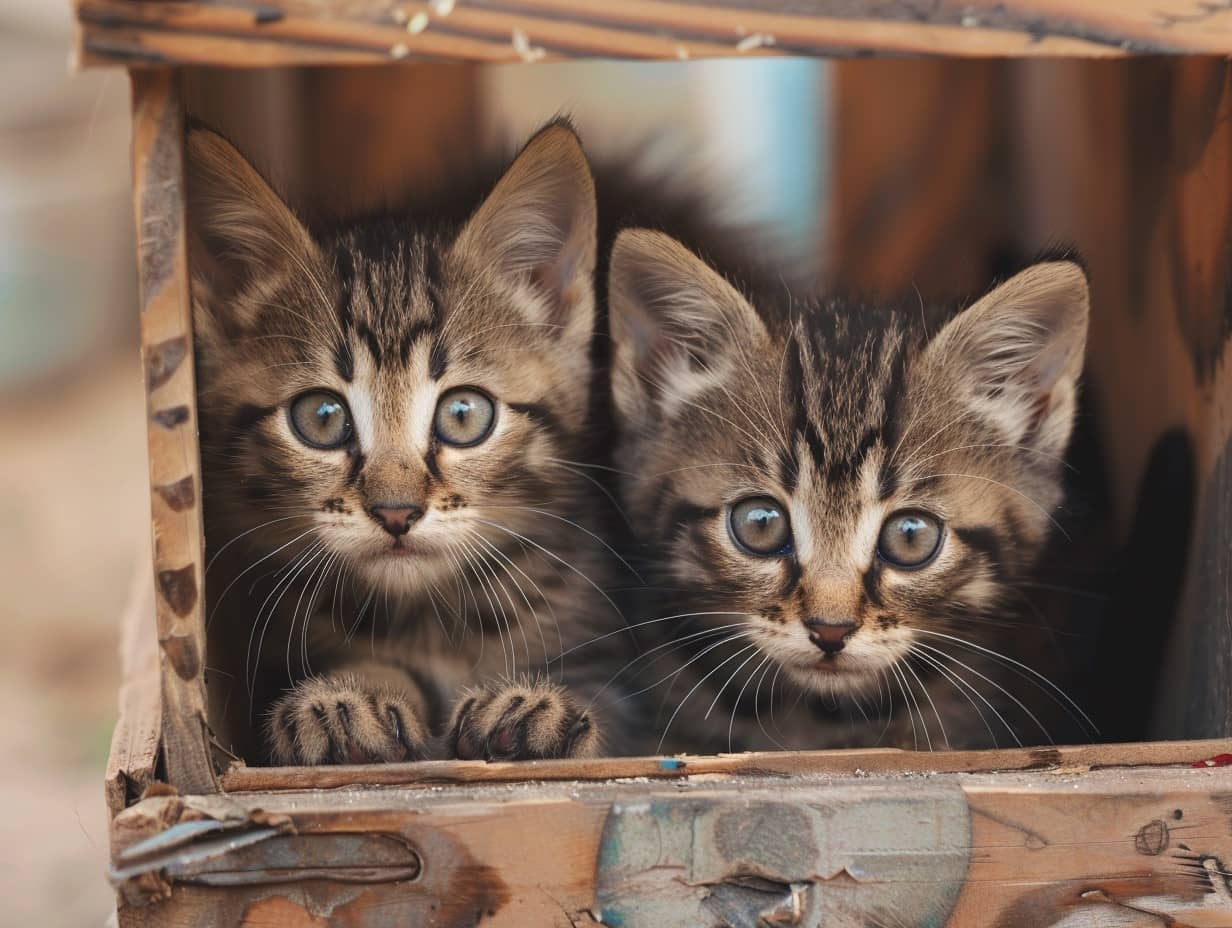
<point x="609" y="917"/>
<point x="671" y="764"/>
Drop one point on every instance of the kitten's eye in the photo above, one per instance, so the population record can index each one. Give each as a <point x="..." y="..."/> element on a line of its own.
<point x="760" y="526"/>
<point x="909" y="539"/>
<point x="464" y="417"/>
<point x="320" y="419"/>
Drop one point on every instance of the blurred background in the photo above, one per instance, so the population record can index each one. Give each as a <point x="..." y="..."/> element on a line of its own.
<point x="73" y="513"/>
<point x="904" y="177"/>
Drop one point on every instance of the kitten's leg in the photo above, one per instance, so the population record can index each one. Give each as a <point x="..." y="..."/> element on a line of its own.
<point x="363" y="712"/>
<point x="525" y="720"/>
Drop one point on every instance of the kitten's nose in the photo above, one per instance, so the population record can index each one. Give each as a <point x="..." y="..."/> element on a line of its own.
<point x="396" y="518"/>
<point x="830" y="637"/>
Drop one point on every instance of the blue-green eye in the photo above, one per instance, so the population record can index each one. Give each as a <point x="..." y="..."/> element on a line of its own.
<point x="909" y="539"/>
<point x="464" y="417"/>
<point x="759" y="525"/>
<point x="320" y="419"/>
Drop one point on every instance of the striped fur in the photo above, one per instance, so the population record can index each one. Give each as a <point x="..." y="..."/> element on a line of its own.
<point x="351" y="643"/>
<point x="844" y="414"/>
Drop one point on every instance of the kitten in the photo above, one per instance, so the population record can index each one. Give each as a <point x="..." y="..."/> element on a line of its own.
<point x="393" y="411"/>
<point x="840" y="505"/>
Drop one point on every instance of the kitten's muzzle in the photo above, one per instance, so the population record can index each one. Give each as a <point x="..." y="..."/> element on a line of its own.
<point x="396" y="518"/>
<point x="830" y="637"/>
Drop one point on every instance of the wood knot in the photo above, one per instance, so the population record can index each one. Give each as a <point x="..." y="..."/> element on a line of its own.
<point x="1152" y="838"/>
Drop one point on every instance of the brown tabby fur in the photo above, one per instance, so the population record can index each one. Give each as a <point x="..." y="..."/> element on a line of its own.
<point x="349" y="643"/>
<point x="844" y="414"/>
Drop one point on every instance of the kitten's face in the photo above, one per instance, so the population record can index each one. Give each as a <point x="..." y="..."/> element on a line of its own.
<point x="397" y="397"/>
<point x="841" y="488"/>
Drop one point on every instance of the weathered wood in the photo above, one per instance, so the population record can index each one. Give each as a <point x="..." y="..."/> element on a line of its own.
<point x="175" y="463"/>
<point x="1088" y="836"/>
<point x="134" y="743"/>
<point x="339" y="142"/>
<point x="1196" y="293"/>
<point x="1109" y="848"/>
<point x="771" y="764"/>
<point x="260" y="33"/>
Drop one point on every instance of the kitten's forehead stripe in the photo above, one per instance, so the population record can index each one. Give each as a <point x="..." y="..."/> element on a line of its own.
<point x="845" y="375"/>
<point x="438" y="357"/>
<point x="344" y="361"/>
<point x="390" y="283"/>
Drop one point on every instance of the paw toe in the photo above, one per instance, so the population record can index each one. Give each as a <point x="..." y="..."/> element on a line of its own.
<point x="519" y="723"/>
<point x="343" y="721"/>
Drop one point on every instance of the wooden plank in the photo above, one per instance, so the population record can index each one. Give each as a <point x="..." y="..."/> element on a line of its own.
<point x="134" y="743"/>
<point x="249" y="33"/>
<point x="1197" y="297"/>
<point x="776" y="764"/>
<point x="175" y="463"/>
<point x="1109" y="848"/>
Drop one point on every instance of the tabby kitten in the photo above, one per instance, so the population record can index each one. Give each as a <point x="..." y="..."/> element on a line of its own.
<point x="840" y="506"/>
<point x="392" y="415"/>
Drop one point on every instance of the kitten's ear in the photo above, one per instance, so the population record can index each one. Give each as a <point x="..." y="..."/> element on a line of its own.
<point x="540" y="224"/>
<point x="677" y="325"/>
<point x="1015" y="356"/>
<point x="239" y="228"/>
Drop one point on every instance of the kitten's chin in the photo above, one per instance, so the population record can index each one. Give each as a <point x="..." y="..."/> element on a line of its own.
<point x="829" y="678"/>
<point x="841" y="675"/>
<point x="401" y="571"/>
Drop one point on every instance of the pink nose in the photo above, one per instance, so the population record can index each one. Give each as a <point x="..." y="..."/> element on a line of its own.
<point x="830" y="637"/>
<point x="397" y="518"/>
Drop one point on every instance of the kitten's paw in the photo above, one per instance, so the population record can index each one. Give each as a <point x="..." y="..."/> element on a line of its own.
<point x="344" y="718"/>
<point x="521" y="721"/>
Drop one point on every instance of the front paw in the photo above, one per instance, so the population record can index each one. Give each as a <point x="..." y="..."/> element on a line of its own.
<point x="344" y="718"/>
<point x="521" y="721"/>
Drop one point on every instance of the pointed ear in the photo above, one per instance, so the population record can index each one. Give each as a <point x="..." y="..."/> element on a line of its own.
<point x="539" y="225"/>
<point x="677" y="325"/>
<point x="1015" y="356"/>
<point x="240" y="230"/>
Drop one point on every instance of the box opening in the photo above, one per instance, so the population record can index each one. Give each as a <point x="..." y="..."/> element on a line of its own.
<point x="910" y="179"/>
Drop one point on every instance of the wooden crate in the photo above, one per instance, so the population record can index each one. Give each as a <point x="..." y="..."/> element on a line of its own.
<point x="1103" y="835"/>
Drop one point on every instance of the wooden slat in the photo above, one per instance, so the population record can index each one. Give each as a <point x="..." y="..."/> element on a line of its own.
<point x="776" y="764"/>
<point x="1197" y="295"/>
<point x="249" y="33"/>
<point x="175" y="479"/>
<point x="134" y="743"/>
<point x="1105" y="849"/>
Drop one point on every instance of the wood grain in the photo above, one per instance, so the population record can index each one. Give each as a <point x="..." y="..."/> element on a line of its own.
<point x="175" y="463"/>
<point x="771" y="764"/>
<point x="248" y="33"/>
<point x="1109" y="848"/>
<point x="134" y="743"/>
<point x="1195" y="296"/>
